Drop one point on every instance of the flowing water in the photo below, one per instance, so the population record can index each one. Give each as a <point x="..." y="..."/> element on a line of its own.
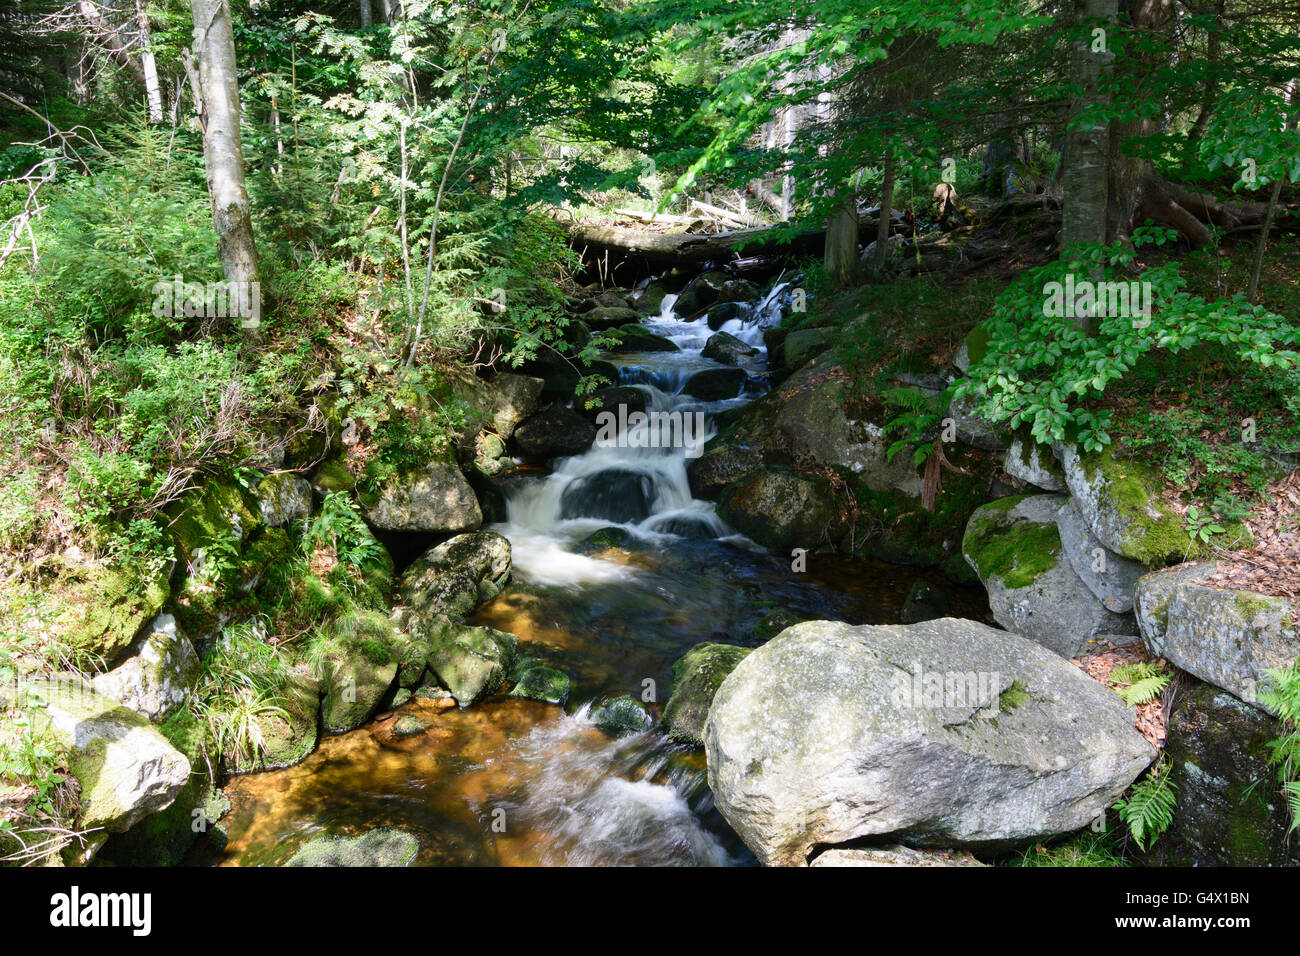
<point x="514" y="782"/>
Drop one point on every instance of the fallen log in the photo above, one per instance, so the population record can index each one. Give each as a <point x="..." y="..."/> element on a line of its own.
<point x="597" y="242"/>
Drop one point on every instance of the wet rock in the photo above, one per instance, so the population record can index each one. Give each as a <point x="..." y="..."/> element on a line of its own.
<point x="924" y="602"/>
<point x="402" y="696"/>
<point x="1014" y="546"/>
<point x="637" y="338"/>
<point x="1015" y="745"/>
<point x="604" y="539"/>
<point x="1225" y="637"/>
<point x="725" y="348"/>
<point x="1110" y="577"/>
<point x="450" y="579"/>
<point x="802" y="345"/>
<point x="782" y="509"/>
<point x="408" y="726"/>
<point x="685" y="526"/>
<point x="615" y="494"/>
<point x="126" y="768"/>
<point x="359" y="656"/>
<point x="1033" y="463"/>
<point x="724" y="312"/>
<point x="634" y="399"/>
<point x="715" y="384"/>
<point x="472" y="662"/>
<point x="284" y="498"/>
<point x="554" y="433"/>
<point x="773" y="623"/>
<point x="702" y="293"/>
<point x="158" y="674"/>
<point x="651" y="300"/>
<point x="696" y="677"/>
<point x="1230" y="811"/>
<point x="384" y="847"/>
<point x="621" y="716"/>
<point x="435" y="497"/>
<point x="543" y="683"/>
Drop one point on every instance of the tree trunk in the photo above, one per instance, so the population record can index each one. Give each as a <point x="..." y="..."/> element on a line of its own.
<point x="152" y="88"/>
<point x="886" y="215"/>
<point x="223" y="157"/>
<point x="1085" y="172"/>
<point x="841" y="256"/>
<point x="366" y="16"/>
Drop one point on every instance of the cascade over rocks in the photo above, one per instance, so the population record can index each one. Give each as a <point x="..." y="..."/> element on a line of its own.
<point x="616" y="494"/>
<point x="1014" y="545"/>
<point x="725" y="348"/>
<point x="715" y="384"/>
<point x="555" y="432"/>
<point x="832" y="733"/>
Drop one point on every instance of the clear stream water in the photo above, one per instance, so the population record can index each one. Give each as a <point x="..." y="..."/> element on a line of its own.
<point x="515" y="782"/>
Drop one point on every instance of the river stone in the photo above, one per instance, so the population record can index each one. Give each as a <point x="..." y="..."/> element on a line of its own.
<point x="1229" y="810"/>
<point x="160" y="669"/>
<point x="782" y="509"/>
<point x="435" y="497"/>
<point x="126" y="768"/>
<point x="715" y="384"/>
<point x="816" y="738"/>
<point x="696" y="677"/>
<point x="724" y="312"/>
<point x="543" y="683"/>
<point x="284" y="498"/>
<point x="555" y="432"/>
<point x="1227" y="638"/>
<point x="611" y="398"/>
<point x="515" y="397"/>
<point x="616" y="494"/>
<point x="472" y="662"/>
<point x="451" y="578"/>
<point x="897" y="855"/>
<point x="725" y="348"/>
<point x="1033" y="463"/>
<point x="387" y="846"/>
<point x="1121" y="505"/>
<point x="360" y="652"/>
<point x="773" y="623"/>
<point x="289" y="734"/>
<point x="606" y="317"/>
<point x="924" y="602"/>
<point x="637" y="338"/>
<point x="604" y="539"/>
<point x="621" y="716"/>
<point x="1110" y="577"/>
<point x="1014" y="546"/>
<point x="651" y="300"/>
<point x="802" y="345"/>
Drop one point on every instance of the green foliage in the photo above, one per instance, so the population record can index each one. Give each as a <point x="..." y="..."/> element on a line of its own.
<point x="1083" y="849"/>
<point x="916" y="425"/>
<point x="1048" y="373"/>
<point x="1281" y="695"/>
<point x="1141" y="682"/>
<point x="1149" y="808"/>
<point x="241" y="684"/>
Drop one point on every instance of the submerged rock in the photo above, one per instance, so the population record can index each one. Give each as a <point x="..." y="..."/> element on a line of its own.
<point x="544" y="684"/>
<point x="715" y="384"/>
<point x="696" y="678"/>
<point x="620" y="716"/>
<point x="158" y="674"/>
<point x="388" y="846"/>
<point x="947" y="733"/>
<point x="924" y="602"/>
<point x="435" y="497"/>
<point x="1013" y="544"/>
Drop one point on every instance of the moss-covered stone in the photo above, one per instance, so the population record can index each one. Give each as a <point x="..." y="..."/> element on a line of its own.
<point x="289" y="733"/>
<point x="543" y="683"/>
<point x="697" y="675"/>
<point x="331" y="476"/>
<point x="620" y="716"/>
<point x="604" y="539"/>
<point x="1013" y="551"/>
<point x="359" y="656"/>
<point x="384" y="847"/>
<point x="110" y="608"/>
<point x="472" y="662"/>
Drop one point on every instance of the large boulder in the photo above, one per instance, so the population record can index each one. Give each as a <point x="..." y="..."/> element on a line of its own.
<point x="802" y="345"/>
<point x="697" y="675"/>
<point x="435" y="497"/>
<point x="359" y="657"/>
<point x="1014" y="545"/>
<point x="1109" y="576"/>
<point x="726" y="349"/>
<point x="782" y="509"/>
<point x="637" y="338"/>
<point x="1225" y="637"/>
<point x="555" y="432"/>
<point x="284" y="498"/>
<point x="515" y="398"/>
<point x="453" y="578"/>
<point x="1121" y="504"/>
<point x="158" y="673"/>
<point x="472" y="662"/>
<point x="126" y="768"/>
<point x="1229" y="810"/>
<point x="715" y="384"/>
<point x="947" y="733"/>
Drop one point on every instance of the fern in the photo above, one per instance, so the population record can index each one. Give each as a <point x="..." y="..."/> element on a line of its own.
<point x="1281" y="695"/>
<point x="1149" y="809"/>
<point x="1142" y="681"/>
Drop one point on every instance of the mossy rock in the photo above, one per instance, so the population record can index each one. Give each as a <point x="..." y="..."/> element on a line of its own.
<point x="472" y="662"/>
<point x="773" y="623"/>
<point x="604" y="539"/>
<point x="697" y="675"/>
<point x="332" y="476"/>
<point x="637" y="338"/>
<point x="111" y="606"/>
<point x="220" y="514"/>
<point x="383" y="847"/>
<point x="1015" y="552"/>
<point x="359" y="654"/>
<point x="901" y="531"/>
<point x="544" y="684"/>
<point x="290" y="737"/>
<point x="621" y="716"/>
